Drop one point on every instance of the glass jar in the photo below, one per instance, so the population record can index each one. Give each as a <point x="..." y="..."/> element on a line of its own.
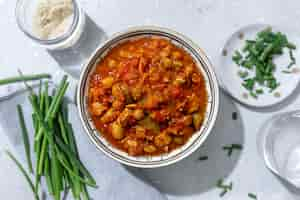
<point x="25" y="14"/>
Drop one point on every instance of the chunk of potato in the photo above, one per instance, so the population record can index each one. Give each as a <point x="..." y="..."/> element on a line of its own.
<point x="193" y="104"/>
<point x="138" y="114"/>
<point x="109" y="116"/>
<point x="179" y="80"/>
<point x="150" y="148"/>
<point x="176" y="55"/>
<point x="112" y="63"/>
<point x="177" y="64"/>
<point x="125" y="90"/>
<point x="149" y="124"/>
<point x="187" y="120"/>
<point x="178" y="140"/>
<point x="187" y="131"/>
<point x="140" y="132"/>
<point x="107" y="82"/>
<point x="166" y="62"/>
<point x="124" y="117"/>
<point x="189" y="69"/>
<point x="118" y="105"/>
<point x="117" y="131"/>
<point x="162" y="139"/>
<point x="196" y="78"/>
<point x="166" y="52"/>
<point x="98" y="109"/>
<point x="197" y="120"/>
<point x="125" y="54"/>
<point x="134" y="148"/>
<point x="136" y="92"/>
<point x="117" y="92"/>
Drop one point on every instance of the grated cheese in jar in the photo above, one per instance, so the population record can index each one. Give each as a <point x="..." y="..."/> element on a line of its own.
<point x="53" y="18"/>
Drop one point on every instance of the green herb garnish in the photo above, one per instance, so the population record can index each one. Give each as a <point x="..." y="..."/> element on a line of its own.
<point x="25" y="137"/>
<point x="55" y="145"/>
<point x="259" y="91"/>
<point x="293" y="60"/>
<point x="234" y="115"/>
<point x="257" y="56"/>
<point x="23" y="171"/>
<point x="286" y="72"/>
<point x="231" y="148"/>
<point x="202" y="158"/>
<point x="237" y="57"/>
<point x="224" y="187"/>
<point x="252" y="196"/>
<point x="24" y="78"/>
<point x="243" y="74"/>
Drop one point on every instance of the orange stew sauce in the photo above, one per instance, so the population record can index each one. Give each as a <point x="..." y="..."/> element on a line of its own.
<point x="147" y="97"/>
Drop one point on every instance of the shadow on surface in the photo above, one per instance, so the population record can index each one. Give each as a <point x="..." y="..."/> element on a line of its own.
<point x="291" y="188"/>
<point x="72" y="59"/>
<point x="192" y="176"/>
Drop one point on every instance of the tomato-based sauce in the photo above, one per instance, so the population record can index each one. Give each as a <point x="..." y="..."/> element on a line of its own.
<point x="147" y="96"/>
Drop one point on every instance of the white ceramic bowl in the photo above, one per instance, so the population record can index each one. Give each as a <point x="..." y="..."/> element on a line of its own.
<point x="211" y="85"/>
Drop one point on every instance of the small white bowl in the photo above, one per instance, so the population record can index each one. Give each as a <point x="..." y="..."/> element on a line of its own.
<point x="227" y="70"/>
<point x="194" y="142"/>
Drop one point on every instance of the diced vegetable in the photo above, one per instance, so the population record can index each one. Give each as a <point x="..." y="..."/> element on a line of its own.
<point x="176" y="55"/>
<point x="109" y="116"/>
<point x="177" y="64"/>
<point x="98" y="109"/>
<point x="138" y="114"/>
<point x="150" y="148"/>
<point x="149" y="124"/>
<point x="108" y="82"/>
<point x="197" y="120"/>
<point x="178" y="140"/>
<point x="162" y="139"/>
<point x="117" y="131"/>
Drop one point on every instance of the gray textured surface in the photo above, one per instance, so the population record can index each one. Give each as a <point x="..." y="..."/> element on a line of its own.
<point x="207" y="22"/>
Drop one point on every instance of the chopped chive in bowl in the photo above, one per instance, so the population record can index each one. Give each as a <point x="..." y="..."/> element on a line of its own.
<point x="257" y="57"/>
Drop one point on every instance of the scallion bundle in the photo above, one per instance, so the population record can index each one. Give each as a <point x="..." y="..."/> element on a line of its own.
<point x="55" y="145"/>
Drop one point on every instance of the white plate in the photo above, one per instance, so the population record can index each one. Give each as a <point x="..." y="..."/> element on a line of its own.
<point x="230" y="81"/>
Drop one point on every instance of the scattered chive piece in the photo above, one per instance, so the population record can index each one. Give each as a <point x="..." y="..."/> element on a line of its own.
<point x="223" y="193"/>
<point x="254" y="95"/>
<point x="234" y="115"/>
<point x="237" y="146"/>
<point x="293" y="60"/>
<point x="259" y="91"/>
<point x="286" y="71"/>
<point x="24" y="78"/>
<point x="25" y="137"/>
<point x="24" y="174"/>
<point x="225" y="188"/>
<point x="243" y="74"/>
<point x="202" y="158"/>
<point x="237" y="57"/>
<point x="252" y="196"/>
<point x="231" y="148"/>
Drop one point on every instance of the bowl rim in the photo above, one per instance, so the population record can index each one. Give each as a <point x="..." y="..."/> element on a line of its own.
<point x="213" y="83"/>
